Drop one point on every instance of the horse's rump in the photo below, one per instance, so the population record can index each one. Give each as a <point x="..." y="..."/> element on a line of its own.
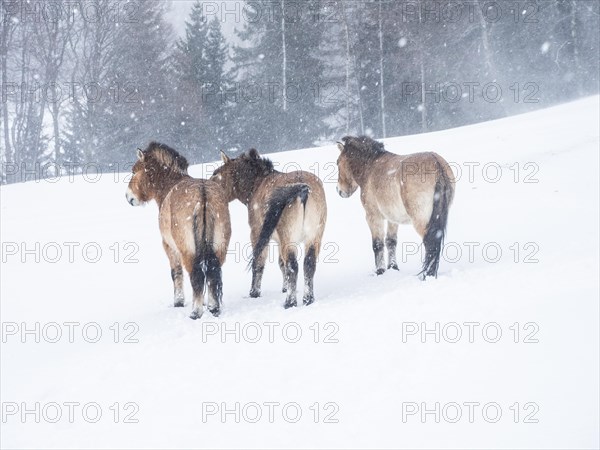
<point x="293" y="206"/>
<point x="195" y="215"/>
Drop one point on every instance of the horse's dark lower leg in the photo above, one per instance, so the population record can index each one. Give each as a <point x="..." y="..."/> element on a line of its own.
<point x="391" y="241"/>
<point x="310" y="267"/>
<point x="258" y="267"/>
<point x="377" y="225"/>
<point x="291" y="276"/>
<point x="177" y="277"/>
<point x="257" y="273"/>
<point x="282" y="267"/>
<point x="197" y="278"/>
<point x="378" y="248"/>
<point x="391" y="244"/>
<point x="214" y="281"/>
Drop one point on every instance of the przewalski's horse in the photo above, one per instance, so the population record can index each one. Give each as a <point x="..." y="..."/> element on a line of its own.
<point x="288" y="207"/>
<point x="193" y="220"/>
<point x="398" y="189"/>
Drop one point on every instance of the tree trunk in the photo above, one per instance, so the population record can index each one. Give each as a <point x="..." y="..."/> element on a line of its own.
<point x="283" y="45"/>
<point x="56" y="128"/>
<point x="381" y="85"/>
<point x="8" y="158"/>
<point x="359" y="96"/>
<point x="423" y="106"/>
<point x="575" y="39"/>
<point x="347" y="29"/>
<point x="487" y="52"/>
<point x="423" y="99"/>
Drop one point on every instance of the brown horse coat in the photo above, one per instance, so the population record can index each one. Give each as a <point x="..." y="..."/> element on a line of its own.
<point x="289" y="208"/>
<point x="398" y="189"/>
<point x="193" y="220"/>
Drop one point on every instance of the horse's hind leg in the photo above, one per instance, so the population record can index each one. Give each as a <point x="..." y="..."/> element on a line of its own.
<point x="377" y="226"/>
<point x="284" y="288"/>
<point x="176" y="275"/>
<point x="197" y="278"/>
<point x="291" y="274"/>
<point x="391" y="240"/>
<point x="258" y="267"/>
<point x="310" y="267"/>
<point x="215" y="290"/>
<point x="214" y="281"/>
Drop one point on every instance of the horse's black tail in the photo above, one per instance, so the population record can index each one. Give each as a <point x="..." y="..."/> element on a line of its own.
<point x="206" y="263"/>
<point x="282" y="198"/>
<point x="436" y="228"/>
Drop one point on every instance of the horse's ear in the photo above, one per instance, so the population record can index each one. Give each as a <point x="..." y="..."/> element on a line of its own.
<point x="224" y="157"/>
<point x="253" y="153"/>
<point x="140" y="154"/>
<point x="340" y="146"/>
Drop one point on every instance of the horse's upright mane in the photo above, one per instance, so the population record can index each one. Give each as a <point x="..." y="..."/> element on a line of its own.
<point x="259" y="165"/>
<point x="364" y="145"/>
<point x="166" y="156"/>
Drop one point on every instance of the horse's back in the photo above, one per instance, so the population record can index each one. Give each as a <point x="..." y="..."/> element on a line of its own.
<point x="401" y="187"/>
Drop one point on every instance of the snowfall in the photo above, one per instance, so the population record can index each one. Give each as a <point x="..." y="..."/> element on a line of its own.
<point x="500" y="351"/>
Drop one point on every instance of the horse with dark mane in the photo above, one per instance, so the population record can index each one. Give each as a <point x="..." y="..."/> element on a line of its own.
<point x="193" y="220"/>
<point x="288" y="207"/>
<point x="398" y="189"/>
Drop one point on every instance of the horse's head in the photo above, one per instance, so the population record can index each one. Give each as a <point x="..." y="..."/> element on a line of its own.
<point x="226" y="175"/>
<point x="347" y="185"/>
<point x="237" y="176"/>
<point x="137" y="191"/>
<point x="150" y="173"/>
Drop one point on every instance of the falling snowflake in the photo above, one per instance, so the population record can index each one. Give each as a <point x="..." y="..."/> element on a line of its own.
<point x="545" y="47"/>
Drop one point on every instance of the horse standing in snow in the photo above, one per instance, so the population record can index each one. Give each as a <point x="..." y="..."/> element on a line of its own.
<point x="396" y="189"/>
<point x="193" y="220"/>
<point x="288" y="207"/>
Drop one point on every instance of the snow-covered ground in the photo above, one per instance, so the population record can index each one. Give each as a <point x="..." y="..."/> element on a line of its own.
<point x="359" y="374"/>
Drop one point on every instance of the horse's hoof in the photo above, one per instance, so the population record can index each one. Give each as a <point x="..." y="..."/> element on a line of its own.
<point x="195" y="315"/>
<point x="216" y="312"/>
<point x="308" y="300"/>
<point x="393" y="267"/>
<point x="289" y="305"/>
<point x="254" y="293"/>
<point x="380" y="271"/>
<point x="179" y="304"/>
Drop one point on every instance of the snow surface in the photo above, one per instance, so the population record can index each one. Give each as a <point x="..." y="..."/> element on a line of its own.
<point x="177" y="369"/>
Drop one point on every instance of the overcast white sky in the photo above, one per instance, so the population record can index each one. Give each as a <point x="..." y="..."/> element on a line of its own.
<point x="180" y="10"/>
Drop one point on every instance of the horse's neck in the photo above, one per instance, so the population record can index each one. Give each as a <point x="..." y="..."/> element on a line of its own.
<point x="360" y="176"/>
<point x="246" y="192"/>
<point x="361" y="170"/>
<point x="166" y="185"/>
<point x="249" y="190"/>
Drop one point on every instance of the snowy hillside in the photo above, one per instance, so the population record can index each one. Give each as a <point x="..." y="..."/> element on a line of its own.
<point x="521" y="260"/>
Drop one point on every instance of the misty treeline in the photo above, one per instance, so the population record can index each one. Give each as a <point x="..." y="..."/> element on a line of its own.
<point x="89" y="82"/>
